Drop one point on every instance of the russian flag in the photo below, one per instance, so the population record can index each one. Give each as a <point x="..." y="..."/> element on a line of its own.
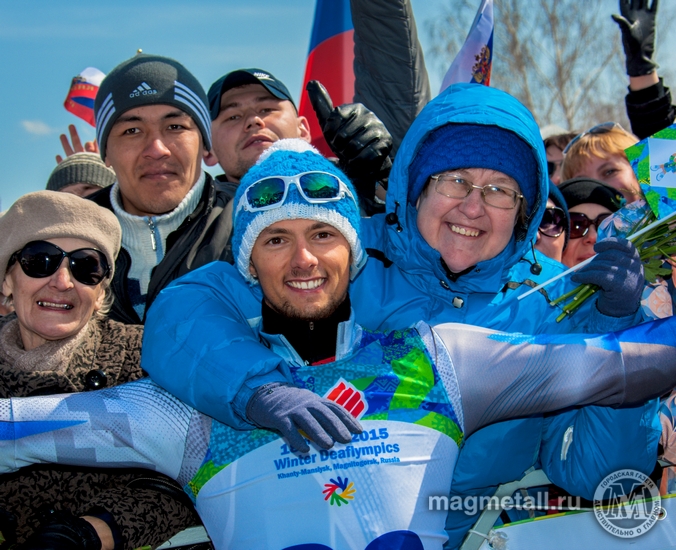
<point x="475" y="59"/>
<point x="330" y="61"/>
<point x="83" y="88"/>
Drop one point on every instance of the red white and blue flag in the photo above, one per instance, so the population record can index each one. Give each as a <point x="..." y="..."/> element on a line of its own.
<point x="330" y="61"/>
<point x="83" y="88"/>
<point x="475" y="59"/>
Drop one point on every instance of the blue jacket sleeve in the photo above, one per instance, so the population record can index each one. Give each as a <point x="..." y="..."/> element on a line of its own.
<point x="581" y="447"/>
<point x="201" y="343"/>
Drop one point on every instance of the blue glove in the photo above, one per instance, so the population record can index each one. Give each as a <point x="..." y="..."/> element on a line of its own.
<point x="617" y="270"/>
<point x="288" y="409"/>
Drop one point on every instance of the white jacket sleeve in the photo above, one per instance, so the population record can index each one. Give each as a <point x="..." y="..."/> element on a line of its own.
<point x="499" y="375"/>
<point x="135" y="425"/>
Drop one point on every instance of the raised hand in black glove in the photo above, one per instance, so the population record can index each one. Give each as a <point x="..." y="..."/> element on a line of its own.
<point x="637" y="24"/>
<point x="617" y="270"/>
<point x="63" y="531"/>
<point x="288" y="409"/>
<point x="357" y="137"/>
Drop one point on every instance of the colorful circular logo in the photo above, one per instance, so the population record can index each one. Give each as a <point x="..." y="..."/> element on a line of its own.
<point x="339" y="491"/>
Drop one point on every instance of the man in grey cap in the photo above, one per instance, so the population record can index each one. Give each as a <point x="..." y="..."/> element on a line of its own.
<point x="154" y="130"/>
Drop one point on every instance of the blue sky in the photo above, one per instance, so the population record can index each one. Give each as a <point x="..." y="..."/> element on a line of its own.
<point x="45" y="44"/>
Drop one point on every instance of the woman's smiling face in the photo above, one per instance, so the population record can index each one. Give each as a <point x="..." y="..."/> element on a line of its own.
<point x="467" y="231"/>
<point x="54" y="307"/>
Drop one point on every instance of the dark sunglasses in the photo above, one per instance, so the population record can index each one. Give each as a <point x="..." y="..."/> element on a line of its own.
<point x="553" y="222"/>
<point x="40" y="259"/>
<point x="602" y="128"/>
<point x="552" y="167"/>
<point x="580" y="224"/>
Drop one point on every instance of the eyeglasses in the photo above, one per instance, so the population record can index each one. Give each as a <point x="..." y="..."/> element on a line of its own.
<point x="454" y="186"/>
<point x="602" y="128"/>
<point x="580" y="224"/>
<point x="314" y="187"/>
<point x="553" y="222"/>
<point x="552" y="167"/>
<point x="40" y="259"/>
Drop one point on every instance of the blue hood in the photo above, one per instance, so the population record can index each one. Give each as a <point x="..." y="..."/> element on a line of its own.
<point x="462" y="104"/>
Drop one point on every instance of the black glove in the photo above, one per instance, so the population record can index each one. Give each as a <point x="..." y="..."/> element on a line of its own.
<point x="63" y="531"/>
<point x="357" y="137"/>
<point x="288" y="409"/>
<point x="637" y="24"/>
<point x="7" y="529"/>
<point x="618" y="272"/>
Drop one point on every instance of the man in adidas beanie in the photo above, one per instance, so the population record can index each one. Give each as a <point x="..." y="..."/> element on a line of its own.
<point x="154" y="130"/>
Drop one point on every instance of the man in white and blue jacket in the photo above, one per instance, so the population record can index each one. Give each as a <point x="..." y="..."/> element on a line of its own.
<point x="407" y="278"/>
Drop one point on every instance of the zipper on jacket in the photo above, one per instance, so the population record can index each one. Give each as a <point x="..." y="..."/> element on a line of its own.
<point x="567" y="441"/>
<point x="151" y="226"/>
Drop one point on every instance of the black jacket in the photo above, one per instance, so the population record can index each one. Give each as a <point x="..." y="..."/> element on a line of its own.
<point x="203" y="237"/>
<point x="650" y="110"/>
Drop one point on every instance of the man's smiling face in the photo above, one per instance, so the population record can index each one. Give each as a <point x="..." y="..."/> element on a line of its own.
<point x="303" y="267"/>
<point x="250" y="120"/>
<point x="156" y="152"/>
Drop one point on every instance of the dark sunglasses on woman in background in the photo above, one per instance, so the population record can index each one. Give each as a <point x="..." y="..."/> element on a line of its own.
<point x="553" y="222"/>
<point x="40" y="259"/>
<point x="580" y="224"/>
<point x="602" y="128"/>
<point x="553" y="166"/>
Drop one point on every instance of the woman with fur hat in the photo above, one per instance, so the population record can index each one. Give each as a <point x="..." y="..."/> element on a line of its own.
<point x="60" y="341"/>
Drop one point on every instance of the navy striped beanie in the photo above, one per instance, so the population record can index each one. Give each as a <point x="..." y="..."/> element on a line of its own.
<point x="149" y="80"/>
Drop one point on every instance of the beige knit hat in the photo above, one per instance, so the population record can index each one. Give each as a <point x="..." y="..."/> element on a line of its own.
<point x="45" y="215"/>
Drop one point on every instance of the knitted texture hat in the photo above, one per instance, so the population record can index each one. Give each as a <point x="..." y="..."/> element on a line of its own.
<point x="81" y="168"/>
<point x="149" y="80"/>
<point x="242" y="77"/>
<point x="587" y="190"/>
<point x="289" y="157"/>
<point x="456" y="146"/>
<point x="45" y="215"/>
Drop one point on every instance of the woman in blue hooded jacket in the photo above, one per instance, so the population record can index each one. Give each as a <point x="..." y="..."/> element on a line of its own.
<point x="199" y="344"/>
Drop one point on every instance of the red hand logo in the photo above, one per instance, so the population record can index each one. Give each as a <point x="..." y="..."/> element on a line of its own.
<point x="348" y="396"/>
